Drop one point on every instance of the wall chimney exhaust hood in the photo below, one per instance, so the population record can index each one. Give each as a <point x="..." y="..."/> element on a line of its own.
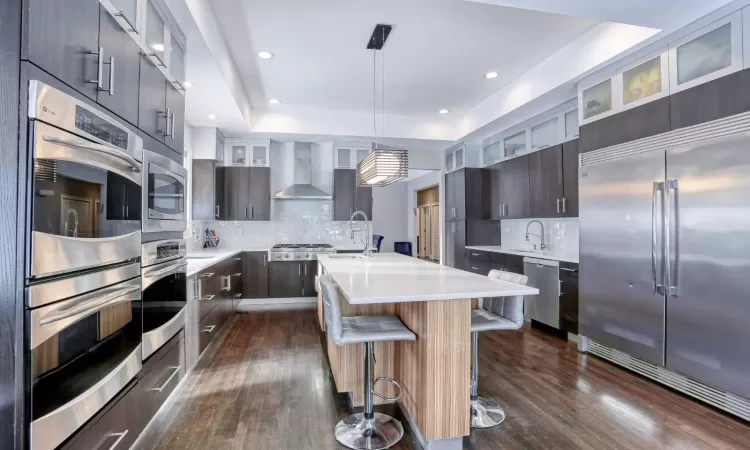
<point x="302" y="189"/>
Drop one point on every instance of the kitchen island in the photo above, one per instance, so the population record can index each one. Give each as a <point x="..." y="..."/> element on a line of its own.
<point x="435" y="302"/>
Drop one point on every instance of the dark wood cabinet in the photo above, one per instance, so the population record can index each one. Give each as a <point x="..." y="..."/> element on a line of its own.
<point x="255" y="275"/>
<point x="643" y="121"/>
<point x="348" y="197"/>
<point x="309" y="270"/>
<point x="125" y="75"/>
<point x="175" y="108"/>
<point x="62" y="37"/>
<point x="260" y="193"/>
<point x="152" y="100"/>
<point x="716" y="99"/>
<point x="546" y="182"/>
<point x="506" y="262"/>
<point x="513" y="187"/>
<point x="569" y="297"/>
<point x="236" y="188"/>
<point x="285" y="279"/>
<point x="570" y="152"/>
<point x="204" y="196"/>
<point x="221" y="201"/>
<point x="465" y="195"/>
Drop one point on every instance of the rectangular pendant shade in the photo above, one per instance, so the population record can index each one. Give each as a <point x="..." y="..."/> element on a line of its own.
<point x="383" y="167"/>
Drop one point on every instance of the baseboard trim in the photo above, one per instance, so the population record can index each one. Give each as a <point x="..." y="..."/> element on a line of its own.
<point x="276" y="304"/>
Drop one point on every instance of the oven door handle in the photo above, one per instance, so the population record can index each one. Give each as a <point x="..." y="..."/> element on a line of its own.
<point x="106" y="149"/>
<point x="149" y="278"/>
<point x="95" y="304"/>
<point x="167" y="269"/>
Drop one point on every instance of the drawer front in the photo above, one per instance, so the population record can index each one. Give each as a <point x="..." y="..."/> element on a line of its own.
<point x="569" y="270"/>
<point x="159" y="382"/>
<point x="506" y="267"/>
<point x="476" y="256"/>
<point x="508" y="260"/>
<point x="209" y="327"/>
<point x="117" y="429"/>
<point x="479" y="268"/>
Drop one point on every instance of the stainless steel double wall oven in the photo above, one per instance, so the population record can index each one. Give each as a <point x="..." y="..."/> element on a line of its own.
<point x="84" y="318"/>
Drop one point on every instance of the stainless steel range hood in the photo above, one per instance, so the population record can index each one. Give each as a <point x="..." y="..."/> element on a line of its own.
<point x="302" y="189"/>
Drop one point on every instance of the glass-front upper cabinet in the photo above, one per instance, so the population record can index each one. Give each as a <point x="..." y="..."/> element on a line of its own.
<point x="362" y="154"/>
<point x="240" y="152"/>
<point x="515" y="144"/>
<point x="348" y="156"/>
<point x="127" y="13"/>
<point x="449" y="162"/>
<point x="595" y="101"/>
<point x="545" y="134"/>
<point x="712" y="52"/>
<point x="571" y="124"/>
<point x="176" y="62"/>
<point x="155" y="34"/>
<point x="455" y="159"/>
<point x="491" y="153"/>
<point x="459" y="156"/>
<point x="645" y="81"/>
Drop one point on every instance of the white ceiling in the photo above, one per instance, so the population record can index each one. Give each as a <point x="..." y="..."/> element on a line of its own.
<point x="435" y="57"/>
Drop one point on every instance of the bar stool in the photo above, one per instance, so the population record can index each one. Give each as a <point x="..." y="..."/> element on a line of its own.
<point x="496" y="314"/>
<point x="367" y="430"/>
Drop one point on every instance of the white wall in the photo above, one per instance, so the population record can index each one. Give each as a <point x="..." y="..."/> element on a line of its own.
<point x="388" y="206"/>
<point x="417" y="184"/>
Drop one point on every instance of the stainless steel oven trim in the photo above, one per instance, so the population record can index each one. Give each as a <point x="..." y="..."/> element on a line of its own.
<point x="155" y="273"/>
<point x="49" y="320"/>
<point x="52" y="291"/>
<point x="49" y="431"/>
<point x="154" y="221"/>
<point x="58" y="108"/>
<point x="53" y="143"/>
<point x="149" y="251"/>
<point x="154" y="339"/>
<point x="53" y="255"/>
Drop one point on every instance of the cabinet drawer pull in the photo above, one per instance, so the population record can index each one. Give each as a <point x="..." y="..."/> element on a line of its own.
<point x="175" y="371"/>
<point x="476" y="254"/>
<point x="237" y="259"/>
<point x="208" y="329"/>
<point x="568" y="270"/>
<point x="99" y="69"/>
<point x="111" y="89"/>
<point x="565" y="205"/>
<point x="207" y="275"/>
<point x="236" y="274"/>
<point x="237" y="295"/>
<point x="174" y="120"/>
<point x="208" y="298"/>
<point x="475" y="268"/>
<point x="120" y="437"/>
<point x="217" y="211"/>
<point x="558" y="206"/>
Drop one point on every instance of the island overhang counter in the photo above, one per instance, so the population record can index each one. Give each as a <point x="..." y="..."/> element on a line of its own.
<point x="435" y="303"/>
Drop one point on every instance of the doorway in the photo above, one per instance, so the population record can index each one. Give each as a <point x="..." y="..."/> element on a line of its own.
<point x="428" y="223"/>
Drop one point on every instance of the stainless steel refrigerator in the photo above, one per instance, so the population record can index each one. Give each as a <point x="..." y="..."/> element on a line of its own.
<point x="665" y="252"/>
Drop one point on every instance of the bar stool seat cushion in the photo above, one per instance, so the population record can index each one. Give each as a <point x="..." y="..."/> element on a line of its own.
<point x="483" y="320"/>
<point x="359" y="329"/>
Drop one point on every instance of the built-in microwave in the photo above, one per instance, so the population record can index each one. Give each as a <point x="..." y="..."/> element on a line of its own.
<point x="85" y="192"/>
<point x="163" y="194"/>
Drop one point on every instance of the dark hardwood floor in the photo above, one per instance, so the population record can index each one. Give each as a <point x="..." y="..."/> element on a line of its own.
<point x="265" y="384"/>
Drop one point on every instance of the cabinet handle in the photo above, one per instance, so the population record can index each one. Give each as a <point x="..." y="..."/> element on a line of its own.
<point x="252" y="212"/>
<point x="169" y="115"/>
<point x="246" y="212"/>
<point x="565" y="205"/>
<point x="208" y="298"/>
<point x="175" y="370"/>
<point x="99" y="69"/>
<point x="475" y="268"/>
<point x="238" y="295"/>
<point x="236" y="274"/>
<point x="568" y="270"/>
<point x="111" y="89"/>
<point x="207" y="275"/>
<point x="476" y="254"/>
<point x="217" y="211"/>
<point x="208" y="329"/>
<point x="120" y="437"/>
<point x="299" y="269"/>
<point x="264" y="260"/>
<point x="303" y="292"/>
<point x="558" y="206"/>
<point x="305" y="269"/>
<point x="237" y="259"/>
<point x="174" y="119"/>
<point x="122" y="16"/>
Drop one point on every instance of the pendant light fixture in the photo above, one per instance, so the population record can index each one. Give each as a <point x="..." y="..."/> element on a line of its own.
<point x="382" y="166"/>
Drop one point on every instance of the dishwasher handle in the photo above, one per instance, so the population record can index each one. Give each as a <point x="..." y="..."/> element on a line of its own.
<point x="541" y="262"/>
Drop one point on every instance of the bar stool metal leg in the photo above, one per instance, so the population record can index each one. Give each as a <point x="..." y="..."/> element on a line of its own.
<point x="368" y="430"/>
<point x="485" y="413"/>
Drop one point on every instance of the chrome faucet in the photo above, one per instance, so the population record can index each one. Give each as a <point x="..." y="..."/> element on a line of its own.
<point x="368" y="243"/>
<point x="74" y="214"/>
<point x="542" y="244"/>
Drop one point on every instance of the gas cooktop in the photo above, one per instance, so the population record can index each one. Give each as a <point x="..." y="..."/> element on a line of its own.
<point x="299" y="252"/>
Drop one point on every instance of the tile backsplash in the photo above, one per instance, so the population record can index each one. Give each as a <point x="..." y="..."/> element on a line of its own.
<point x="293" y="221"/>
<point x="560" y="234"/>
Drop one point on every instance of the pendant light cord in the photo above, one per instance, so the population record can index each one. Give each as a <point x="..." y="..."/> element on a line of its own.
<point x="374" y="96"/>
<point x="382" y="128"/>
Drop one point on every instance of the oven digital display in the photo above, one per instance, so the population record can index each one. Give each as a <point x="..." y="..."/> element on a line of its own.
<point x="94" y="125"/>
<point x="168" y="250"/>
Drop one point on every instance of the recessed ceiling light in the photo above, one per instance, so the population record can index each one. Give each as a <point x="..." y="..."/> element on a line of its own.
<point x="158" y="47"/>
<point x="491" y="75"/>
<point x="188" y="84"/>
<point x="274" y="101"/>
<point x="444" y="111"/>
<point x="212" y="117"/>
<point x="265" y="55"/>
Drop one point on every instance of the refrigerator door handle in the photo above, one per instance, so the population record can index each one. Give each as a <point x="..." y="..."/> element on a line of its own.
<point x="658" y="288"/>
<point x="672" y="241"/>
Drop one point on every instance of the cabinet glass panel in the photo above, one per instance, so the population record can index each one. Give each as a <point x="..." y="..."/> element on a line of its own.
<point x="545" y="134"/>
<point x="449" y="161"/>
<point x="459" y="158"/>
<point x="571" y="123"/>
<point x="597" y="99"/>
<point x="239" y="154"/>
<point x="259" y="155"/>
<point x="515" y="144"/>
<point x="362" y="154"/>
<point x="128" y="10"/>
<point x="177" y="61"/>
<point x="154" y="32"/>
<point x="491" y="153"/>
<point x="643" y="80"/>
<point x="342" y="158"/>
<point x="704" y="55"/>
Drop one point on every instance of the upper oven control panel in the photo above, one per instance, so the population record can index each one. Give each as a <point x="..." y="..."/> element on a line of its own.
<point x="161" y="251"/>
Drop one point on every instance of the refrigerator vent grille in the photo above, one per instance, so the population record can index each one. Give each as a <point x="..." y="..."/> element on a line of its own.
<point x="716" y="397"/>
<point x="684" y="136"/>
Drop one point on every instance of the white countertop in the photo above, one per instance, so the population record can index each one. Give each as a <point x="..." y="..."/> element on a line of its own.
<point x="532" y="254"/>
<point x="395" y="278"/>
<point x="216" y="255"/>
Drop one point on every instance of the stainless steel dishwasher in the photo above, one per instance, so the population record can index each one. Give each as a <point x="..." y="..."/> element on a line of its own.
<point x="544" y="275"/>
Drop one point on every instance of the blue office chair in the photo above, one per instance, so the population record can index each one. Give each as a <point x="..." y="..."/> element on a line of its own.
<point x="376" y="241"/>
<point x="402" y="247"/>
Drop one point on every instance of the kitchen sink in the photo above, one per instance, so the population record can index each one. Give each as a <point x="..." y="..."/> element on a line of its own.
<point x="346" y="256"/>
<point x="530" y="252"/>
<point x="200" y="257"/>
